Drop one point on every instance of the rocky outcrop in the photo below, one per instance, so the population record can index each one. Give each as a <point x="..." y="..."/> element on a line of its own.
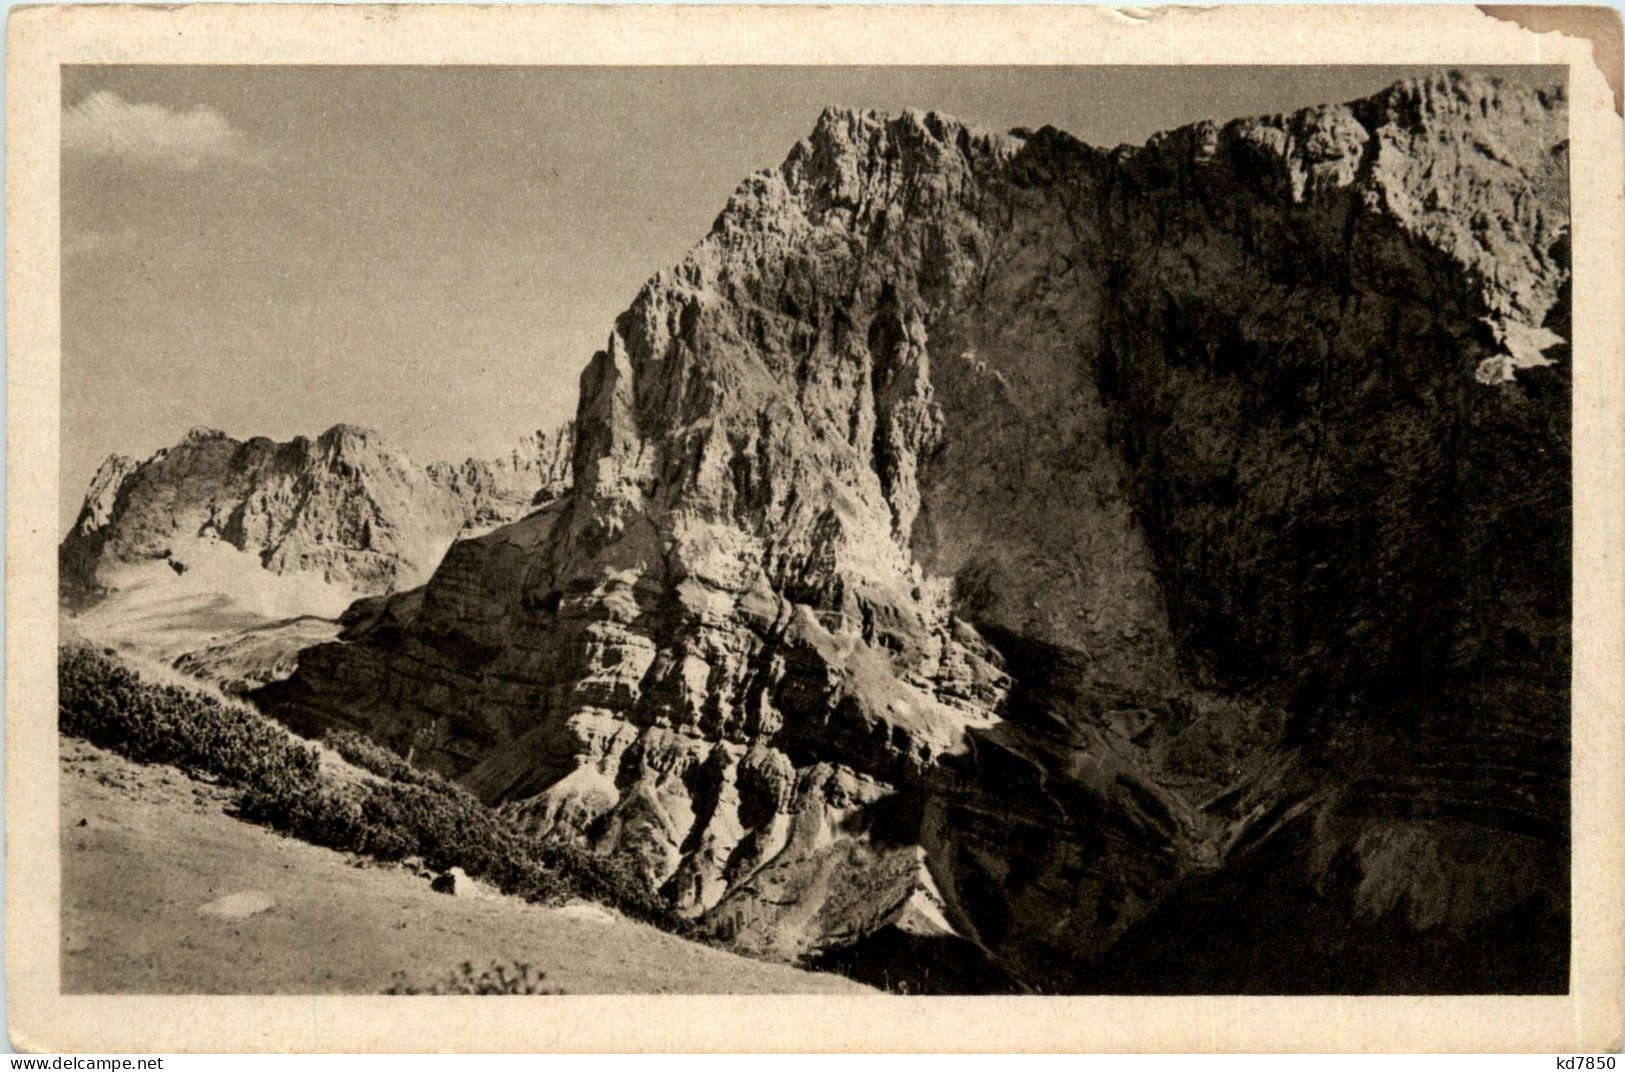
<point x="347" y="508"/>
<point x="495" y="491"/>
<point x="102" y="496"/>
<point x="981" y="545"/>
<point x="229" y="558"/>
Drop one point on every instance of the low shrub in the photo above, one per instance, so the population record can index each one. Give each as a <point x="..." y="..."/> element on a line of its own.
<point x="613" y="881"/>
<point x="107" y="704"/>
<point x="362" y="751"/>
<point x="447" y="827"/>
<point x="497" y="979"/>
<point x="318" y="814"/>
<point x="282" y="785"/>
<point x="408" y="812"/>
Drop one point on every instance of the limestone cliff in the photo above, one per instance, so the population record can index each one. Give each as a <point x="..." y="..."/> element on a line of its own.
<point x="347" y="507"/>
<point x="231" y="556"/>
<point x="982" y="548"/>
<point x="495" y="491"/>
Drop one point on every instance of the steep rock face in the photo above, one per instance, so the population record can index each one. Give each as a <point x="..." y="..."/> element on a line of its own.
<point x="102" y="495"/>
<point x="980" y="542"/>
<point x="494" y="491"/>
<point x="229" y="557"/>
<point x="347" y="507"/>
<point x="1350" y="436"/>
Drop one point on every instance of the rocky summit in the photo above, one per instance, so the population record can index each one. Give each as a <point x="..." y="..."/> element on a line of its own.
<point x="241" y="546"/>
<point x="348" y="507"/>
<point x="997" y="563"/>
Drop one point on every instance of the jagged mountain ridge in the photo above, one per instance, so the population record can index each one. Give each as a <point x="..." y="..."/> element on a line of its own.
<point x="227" y="557"/>
<point x="981" y="542"/>
<point x="498" y="490"/>
<point x="347" y="506"/>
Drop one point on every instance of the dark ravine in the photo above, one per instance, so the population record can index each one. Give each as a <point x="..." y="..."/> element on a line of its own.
<point x="997" y="563"/>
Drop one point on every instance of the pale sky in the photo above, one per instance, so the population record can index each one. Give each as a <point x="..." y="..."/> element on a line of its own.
<point x="436" y="252"/>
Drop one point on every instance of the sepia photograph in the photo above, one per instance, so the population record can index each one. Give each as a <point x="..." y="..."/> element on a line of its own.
<point x="949" y="529"/>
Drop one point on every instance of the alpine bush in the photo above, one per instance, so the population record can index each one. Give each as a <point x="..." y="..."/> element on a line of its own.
<point x="405" y="812"/>
<point x="362" y="751"/>
<point x="517" y="978"/>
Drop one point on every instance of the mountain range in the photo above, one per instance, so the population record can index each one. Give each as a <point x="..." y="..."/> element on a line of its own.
<point x="990" y="562"/>
<point x="234" y="554"/>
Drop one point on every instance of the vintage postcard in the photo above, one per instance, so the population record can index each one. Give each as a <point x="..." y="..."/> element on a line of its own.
<point x="856" y="528"/>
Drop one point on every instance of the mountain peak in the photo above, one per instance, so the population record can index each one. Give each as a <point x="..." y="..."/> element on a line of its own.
<point x="895" y="133"/>
<point x="299" y="507"/>
<point x="350" y="433"/>
<point x="202" y="434"/>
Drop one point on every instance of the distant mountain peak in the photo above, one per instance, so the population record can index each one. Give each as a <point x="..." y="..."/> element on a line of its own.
<point x="349" y="507"/>
<point x="1034" y="530"/>
<point x="343" y="433"/>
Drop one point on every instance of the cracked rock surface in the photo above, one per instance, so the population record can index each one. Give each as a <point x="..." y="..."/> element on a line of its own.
<point x="347" y="509"/>
<point x="992" y="562"/>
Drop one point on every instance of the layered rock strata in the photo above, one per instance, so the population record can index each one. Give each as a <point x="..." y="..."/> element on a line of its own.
<point x="347" y="508"/>
<point x="1001" y="551"/>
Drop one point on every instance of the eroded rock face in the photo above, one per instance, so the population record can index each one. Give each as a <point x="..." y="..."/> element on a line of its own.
<point x="979" y="542"/>
<point x="348" y="508"/>
<point x="227" y="559"/>
<point x="495" y="491"/>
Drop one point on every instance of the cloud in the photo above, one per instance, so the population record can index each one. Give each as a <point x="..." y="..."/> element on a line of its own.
<point x="105" y="126"/>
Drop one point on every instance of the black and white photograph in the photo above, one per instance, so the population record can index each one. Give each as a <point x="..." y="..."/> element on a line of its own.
<point x="856" y="529"/>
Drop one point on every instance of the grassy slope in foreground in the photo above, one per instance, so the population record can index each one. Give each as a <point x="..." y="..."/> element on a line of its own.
<point x="351" y="796"/>
<point x="380" y="808"/>
<point x="156" y="845"/>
